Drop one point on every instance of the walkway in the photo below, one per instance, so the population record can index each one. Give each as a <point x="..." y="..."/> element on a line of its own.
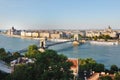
<point x="4" y="67"/>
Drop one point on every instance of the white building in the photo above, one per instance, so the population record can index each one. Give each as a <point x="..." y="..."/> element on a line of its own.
<point x="23" y="33"/>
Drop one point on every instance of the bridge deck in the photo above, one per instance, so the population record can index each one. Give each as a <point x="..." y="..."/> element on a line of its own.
<point x="25" y="50"/>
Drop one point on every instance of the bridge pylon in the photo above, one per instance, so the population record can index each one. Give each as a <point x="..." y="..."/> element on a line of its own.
<point x="76" y="39"/>
<point x="42" y="44"/>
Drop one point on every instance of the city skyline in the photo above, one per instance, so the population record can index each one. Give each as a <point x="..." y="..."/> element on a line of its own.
<point x="60" y="14"/>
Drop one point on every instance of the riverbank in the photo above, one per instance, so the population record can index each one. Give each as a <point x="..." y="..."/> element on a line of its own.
<point x="18" y="36"/>
<point x="22" y="37"/>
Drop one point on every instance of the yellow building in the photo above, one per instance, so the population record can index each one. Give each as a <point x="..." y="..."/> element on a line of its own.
<point x="35" y="34"/>
<point x="44" y="35"/>
<point x="55" y="36"/>
<point x="28" y="34"/>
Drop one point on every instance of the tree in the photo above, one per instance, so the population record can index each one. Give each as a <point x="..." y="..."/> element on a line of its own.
<point x="23" y="72"/>
<point x="117" y="76"/>
<point x="106" y="37"/>
<point x="99" y="67"/>
<point x="95" y="38"/>
<point x="105" y="78"/>
<point x="16" y="55"/>
<point x="3" y="75"/>
<point x="89" y="65"/>
<point x="113" y="68"/>
<point x="48" y="66"/>
<point x="86" y="61"/>
<point x="7" y="56"/>
<point x="32" y="50"/>
<point x="3" y="54"/>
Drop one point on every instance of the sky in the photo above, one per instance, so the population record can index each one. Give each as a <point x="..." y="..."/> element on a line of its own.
<point x="59" y="14"/>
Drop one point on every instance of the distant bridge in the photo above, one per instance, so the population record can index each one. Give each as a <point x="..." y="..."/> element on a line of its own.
<point x="48" y="45"/>
<point x="42" y="43"/>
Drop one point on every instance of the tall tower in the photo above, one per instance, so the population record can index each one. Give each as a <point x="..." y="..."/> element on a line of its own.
<point x="42" y="43"/>
<point x="76" y="37"/>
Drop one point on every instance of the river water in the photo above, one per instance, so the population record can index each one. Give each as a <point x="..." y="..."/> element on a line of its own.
<point x="105" y="54"/>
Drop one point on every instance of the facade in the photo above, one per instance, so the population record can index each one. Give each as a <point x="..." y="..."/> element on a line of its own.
<point x="110" y="32"/>
<point x="44" y="35"/>
<point x="23" y="33"/>
<point x="82" y="33"/>
<point x="55" y="35"/>
<point x="13" y="31"/>
<point x="107" y="31"/>
<point x="28" y="34"/>
<point x="92" y="33"/>
<point x="35" y="34"/>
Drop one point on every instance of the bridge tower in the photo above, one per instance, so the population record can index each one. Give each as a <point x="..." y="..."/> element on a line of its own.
<point x="42" y="44"/>
<point x="76" y="39"/>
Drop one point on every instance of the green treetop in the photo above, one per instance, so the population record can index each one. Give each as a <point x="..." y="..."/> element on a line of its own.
<point x="48" y="66"/>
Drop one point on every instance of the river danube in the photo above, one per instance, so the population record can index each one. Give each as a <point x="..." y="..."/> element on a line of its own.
<point x="107" y="55"/>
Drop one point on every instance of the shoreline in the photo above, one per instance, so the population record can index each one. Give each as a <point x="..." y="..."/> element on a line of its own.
<point x="18" y="36"/>
<point x="22" y="37"/>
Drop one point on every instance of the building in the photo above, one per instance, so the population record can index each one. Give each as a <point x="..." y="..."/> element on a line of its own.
<point x="35" y="34"/>
<point x="55" y="35"/>
<point x="13" y="31"/>
<point x="20" y="60"/>
<point x="82" y="33"/>
<point x="28" y="34"/>
<point x="93" y="33"/>
<point x="44" y="35"/>
<point x="97" y="33"/>
<point x="110" y="32"/>
<point x="23" y="33"/>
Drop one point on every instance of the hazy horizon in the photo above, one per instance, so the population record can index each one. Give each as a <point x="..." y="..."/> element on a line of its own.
<point x="59" y="14"/>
